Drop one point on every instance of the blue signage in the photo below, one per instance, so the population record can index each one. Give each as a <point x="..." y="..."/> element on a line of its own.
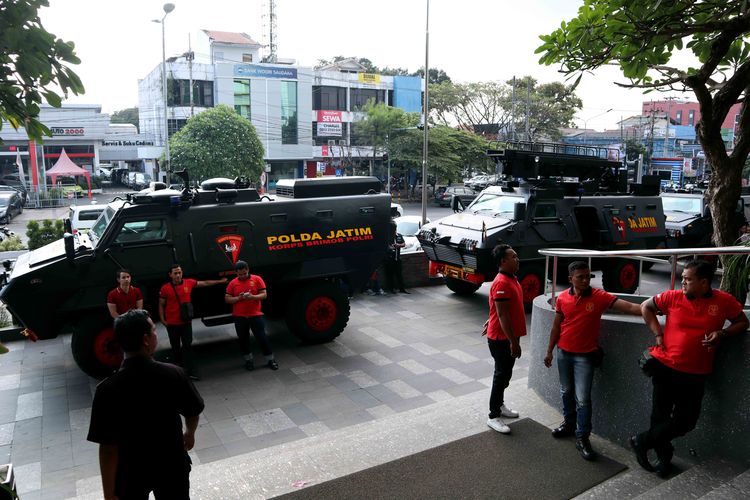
<point x="257" y="71"/>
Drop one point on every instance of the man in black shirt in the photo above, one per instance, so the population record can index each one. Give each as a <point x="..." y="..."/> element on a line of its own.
<point x="392" y="264"/>
<point x="135" y="418"/>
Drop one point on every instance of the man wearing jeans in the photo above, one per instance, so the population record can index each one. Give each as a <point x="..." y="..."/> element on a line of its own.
<point x="505" y="326"/>
<point x="244" y="293"/>
<point x="575" y="331"/>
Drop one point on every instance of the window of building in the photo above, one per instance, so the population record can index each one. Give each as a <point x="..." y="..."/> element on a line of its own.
<point x="175" y="125"/>
<point x="360" y="97"/>
<point x="331" y="98"/>
<point x="691" y="117"/>
<point x="247" y="58"/>
<point x="289" y="133"/>
<point x="678" y="117"/>
<point x="242" y="98"/>
<point x="179" y="93"/>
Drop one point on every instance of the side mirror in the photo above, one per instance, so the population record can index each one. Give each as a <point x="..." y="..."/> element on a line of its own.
<point x="68" y="225"/>
<point x="456" y="204"/>
<point x="519" y="211"/>
<point x="70" y="251"/>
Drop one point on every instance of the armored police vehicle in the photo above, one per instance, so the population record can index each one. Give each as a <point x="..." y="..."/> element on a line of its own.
<point x="689" y="223"/>
<point x="553" y="195"/>
<point x="318" y="239"/>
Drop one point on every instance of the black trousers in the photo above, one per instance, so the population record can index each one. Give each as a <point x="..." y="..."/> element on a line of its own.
<point x="394" y="275"/>
<point x="169" y="483"/>
<point x="181" y="340"/>
<point x="676" y="406"/>
<point x="243" y="325"/>
<point x="504" y="362"/>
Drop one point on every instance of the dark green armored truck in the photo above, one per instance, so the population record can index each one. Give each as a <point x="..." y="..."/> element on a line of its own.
<point x="312" y="243"/>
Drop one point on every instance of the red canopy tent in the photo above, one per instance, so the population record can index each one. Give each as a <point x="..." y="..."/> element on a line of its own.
<point x="64" y="166"/>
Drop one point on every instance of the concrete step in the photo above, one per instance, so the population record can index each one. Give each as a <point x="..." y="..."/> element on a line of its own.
<point x="737" y="488"/>
<point x="696" y="481"/>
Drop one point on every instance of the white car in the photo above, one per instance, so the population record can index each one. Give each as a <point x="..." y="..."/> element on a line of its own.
<point x="83" y="217"/>
<point x="408" y="226"/>
<point x="396" y="210"/>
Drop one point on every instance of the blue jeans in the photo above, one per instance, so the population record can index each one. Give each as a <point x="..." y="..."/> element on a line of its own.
<point x="576" y="376"/>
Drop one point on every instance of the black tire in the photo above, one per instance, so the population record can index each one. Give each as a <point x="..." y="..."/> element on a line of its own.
<point x="531" y="278"/>
<point x="461" y="287"/>
<point x="318" y="312"/>
<point x="621" y="276"/>
<point x="94" y="347"/>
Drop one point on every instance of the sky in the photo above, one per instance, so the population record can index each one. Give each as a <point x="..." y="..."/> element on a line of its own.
<point x="471" y="40"/>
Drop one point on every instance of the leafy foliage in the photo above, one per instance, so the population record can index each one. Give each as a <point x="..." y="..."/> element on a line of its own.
<point x="642" y="37"/>
<point x="217" y="143"/>
<point x="127" y="115"/>
<point x="47" y="232"/>
<point x="488" y="107"/>
<point x="33" y="67"/>
<point x="11" y="243"/>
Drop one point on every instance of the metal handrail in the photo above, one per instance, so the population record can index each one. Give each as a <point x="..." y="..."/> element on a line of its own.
<point x="640" y="255"/>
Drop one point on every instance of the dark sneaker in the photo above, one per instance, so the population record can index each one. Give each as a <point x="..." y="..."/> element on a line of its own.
<point x="663" y="468"/>
<point x="273" y="365"/>
<point x="565" y="429"/>
<point x="641" y="453"/>
<point x="583" y="445"/>
<point x="249" y="365"/>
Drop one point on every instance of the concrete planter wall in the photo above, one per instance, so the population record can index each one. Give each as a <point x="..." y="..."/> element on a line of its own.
<point x="415" y="271"/>
<point x="622" y="394"/>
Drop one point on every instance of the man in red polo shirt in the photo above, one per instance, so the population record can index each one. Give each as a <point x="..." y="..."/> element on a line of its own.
<point x="685" y="350"/>
<point x="125" y="297"/>
<point x="575" y="332"/>
<point x="171" y="295"/>
<point x="505" y="326"/>
<point x="244" y="293"/>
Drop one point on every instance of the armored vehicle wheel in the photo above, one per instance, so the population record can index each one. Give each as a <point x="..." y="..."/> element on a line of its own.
<point x="461" y="287"/>
<point x="531" y="278"/>
<point x="621" y="276"/>
<point x="94" y="347"/>
<point x="318" y="312"/>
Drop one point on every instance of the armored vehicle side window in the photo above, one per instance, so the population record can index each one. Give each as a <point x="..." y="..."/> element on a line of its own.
<point x="545" y="210"/>
<point x="142" y="231"/>
<point x="496" y="204"/>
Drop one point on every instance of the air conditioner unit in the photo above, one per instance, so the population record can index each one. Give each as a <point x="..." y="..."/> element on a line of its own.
<point x="331" y="143"/>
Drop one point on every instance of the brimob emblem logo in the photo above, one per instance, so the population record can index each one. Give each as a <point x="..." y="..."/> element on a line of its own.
<point x="231" y="245"/>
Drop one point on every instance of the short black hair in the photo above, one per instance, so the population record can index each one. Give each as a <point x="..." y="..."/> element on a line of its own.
<point x="120" y="271"/>
<point x="498" y="253"/>
<point x="174" y="266"/>
<point x="703" y="269"/>
<point x="577" y="265"/>
<point x="240" y="264"/>
<point x="130" y="329"/>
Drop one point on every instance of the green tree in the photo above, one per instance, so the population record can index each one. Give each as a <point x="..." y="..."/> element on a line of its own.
<point x="437" y="75"/>
<point x="552" y="106"/>
<point x="217" y="143"/>
<point x="379" y="123"/>
<point x="127" y="115"/>
<point x="642" y="36"/>
<point x="47" y="232"/>
<point x="33" y="67"/>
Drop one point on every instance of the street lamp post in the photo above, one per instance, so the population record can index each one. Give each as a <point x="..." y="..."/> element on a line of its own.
<point x="586" y="122"/>
<point x="426" y="112"/>
<point x="168" y="7"/>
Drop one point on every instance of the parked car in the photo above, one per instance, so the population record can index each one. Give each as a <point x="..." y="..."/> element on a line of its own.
<point x="13" y="189"/>
<point x="141" y="181"/>
<point x="396" y="210"/>
<point x="10" y="206"/>
<point x="467" y="195"/>
<point x="14" y="181"/>
<point x="408" y="226"/>
<point x="83" y="217"/>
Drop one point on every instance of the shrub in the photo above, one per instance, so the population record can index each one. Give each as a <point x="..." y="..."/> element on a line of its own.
<point x="11" y="243"/>
<point x="47" y="232"/>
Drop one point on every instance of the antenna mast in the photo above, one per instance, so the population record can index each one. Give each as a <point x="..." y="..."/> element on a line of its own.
<point x="269" y="30"/>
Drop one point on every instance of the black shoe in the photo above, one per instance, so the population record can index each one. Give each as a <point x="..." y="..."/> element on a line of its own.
<point x="404" y="291"/>
<point x="273" y="365"/>
<point x="565" y="429"/>
<point x="583" y="445"/>
<point x="640" y="453"/>
<point x="249" y="365"/>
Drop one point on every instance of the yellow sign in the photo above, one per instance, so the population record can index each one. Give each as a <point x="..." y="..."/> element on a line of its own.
<point x="369" y="78"/>
<point x="299" y="240"/>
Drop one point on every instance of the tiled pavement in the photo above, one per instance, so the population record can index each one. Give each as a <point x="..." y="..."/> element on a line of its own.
<point x="397" y="354"/>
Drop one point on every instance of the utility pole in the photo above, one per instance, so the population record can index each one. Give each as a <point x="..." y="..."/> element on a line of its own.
<point x="528" y="104"/>
<point x="513" y="112"/>
<point x="190" y="56"/>
<point x="666" y="132"/>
